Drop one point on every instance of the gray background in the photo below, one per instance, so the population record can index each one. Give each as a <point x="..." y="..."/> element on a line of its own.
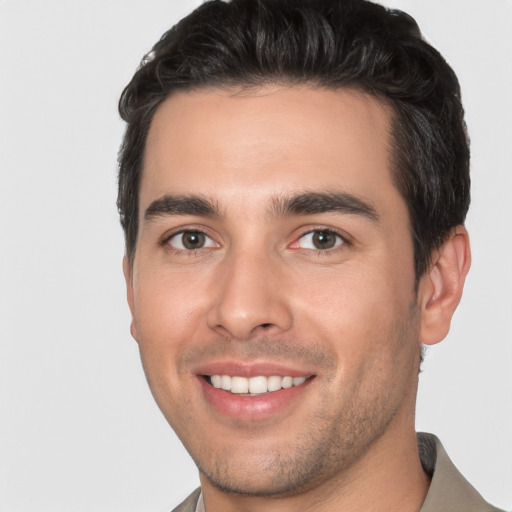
<point x="78" y="428"/>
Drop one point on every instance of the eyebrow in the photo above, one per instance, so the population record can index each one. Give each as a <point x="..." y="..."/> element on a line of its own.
<point x="310" y="203"/>
<point x="181" y="205"/>
<point x="307" y="203"/>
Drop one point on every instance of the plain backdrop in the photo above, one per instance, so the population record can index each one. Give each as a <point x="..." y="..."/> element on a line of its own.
<point x="79" y="431"/>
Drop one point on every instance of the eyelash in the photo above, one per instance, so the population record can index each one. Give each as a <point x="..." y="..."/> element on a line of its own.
<point x="191" y="252"/>
<point x="340" y="243"/>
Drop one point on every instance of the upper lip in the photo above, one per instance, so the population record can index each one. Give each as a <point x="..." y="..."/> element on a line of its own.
<point x="250" y="369"/>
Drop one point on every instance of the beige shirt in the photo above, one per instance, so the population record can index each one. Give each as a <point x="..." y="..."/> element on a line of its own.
<point x="449" y="491"/>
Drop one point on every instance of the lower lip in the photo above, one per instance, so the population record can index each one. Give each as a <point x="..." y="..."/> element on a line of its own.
<point x="252" y="408"/>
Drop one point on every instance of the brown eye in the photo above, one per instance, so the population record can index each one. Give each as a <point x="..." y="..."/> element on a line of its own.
<point x="190" y="241"/>
<point x="321" y="240"/>
<point x="193" y="240"/>
<point x="324" y="239"/>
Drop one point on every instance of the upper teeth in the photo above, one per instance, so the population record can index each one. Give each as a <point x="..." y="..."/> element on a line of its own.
<point x="254" y="385"/>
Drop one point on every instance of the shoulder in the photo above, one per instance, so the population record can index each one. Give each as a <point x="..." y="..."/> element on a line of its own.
<point x="190" y="504"/>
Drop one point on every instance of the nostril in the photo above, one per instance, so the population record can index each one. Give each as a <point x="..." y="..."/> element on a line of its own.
<point x="265" y="326"/>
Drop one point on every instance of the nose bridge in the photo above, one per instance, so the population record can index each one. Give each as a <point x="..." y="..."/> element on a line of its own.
<point x="251" y="295"/>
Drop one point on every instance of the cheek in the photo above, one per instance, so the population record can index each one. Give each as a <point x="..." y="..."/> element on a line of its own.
<point x="356" y="311"/>
<point x="352" y="296"/>
<point x="168" y="314"/>
<point x="167" y="304"/>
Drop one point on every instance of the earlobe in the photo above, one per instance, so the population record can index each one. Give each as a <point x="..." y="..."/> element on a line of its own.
<point x="441" y="287"/>
<point x="128" y="276"/>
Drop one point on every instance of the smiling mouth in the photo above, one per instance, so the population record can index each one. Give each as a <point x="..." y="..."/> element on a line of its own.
<point x="254" y="386"/>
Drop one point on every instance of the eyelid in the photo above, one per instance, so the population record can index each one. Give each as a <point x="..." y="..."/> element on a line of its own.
<point x="165" y="241"/>
<point x="343" y="238"/>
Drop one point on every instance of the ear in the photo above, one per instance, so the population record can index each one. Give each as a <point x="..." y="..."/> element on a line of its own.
<point x="441" y="287"/>
<point x="128" y="276"/>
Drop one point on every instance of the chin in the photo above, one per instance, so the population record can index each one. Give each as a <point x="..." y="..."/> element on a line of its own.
<point x="269" y="468"/>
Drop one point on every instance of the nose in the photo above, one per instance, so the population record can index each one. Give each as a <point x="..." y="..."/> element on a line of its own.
<point x="250" y="298"/>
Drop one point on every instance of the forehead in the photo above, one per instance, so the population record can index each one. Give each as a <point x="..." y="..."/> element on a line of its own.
<point x="273" y="140"/>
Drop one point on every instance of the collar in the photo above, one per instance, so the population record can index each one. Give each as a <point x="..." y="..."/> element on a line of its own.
<point x="449" y="491"/>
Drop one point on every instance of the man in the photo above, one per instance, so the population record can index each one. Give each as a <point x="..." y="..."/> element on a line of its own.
<point x="293" y="185"/>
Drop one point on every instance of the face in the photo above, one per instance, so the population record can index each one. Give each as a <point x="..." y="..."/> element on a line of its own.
<point x="272" y="289"/>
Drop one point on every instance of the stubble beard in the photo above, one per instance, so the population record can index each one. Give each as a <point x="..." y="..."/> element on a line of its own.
<point x="334" y="440"/>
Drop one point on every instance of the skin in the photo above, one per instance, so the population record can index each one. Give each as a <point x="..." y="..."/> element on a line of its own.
<point x="259" y="291"/>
